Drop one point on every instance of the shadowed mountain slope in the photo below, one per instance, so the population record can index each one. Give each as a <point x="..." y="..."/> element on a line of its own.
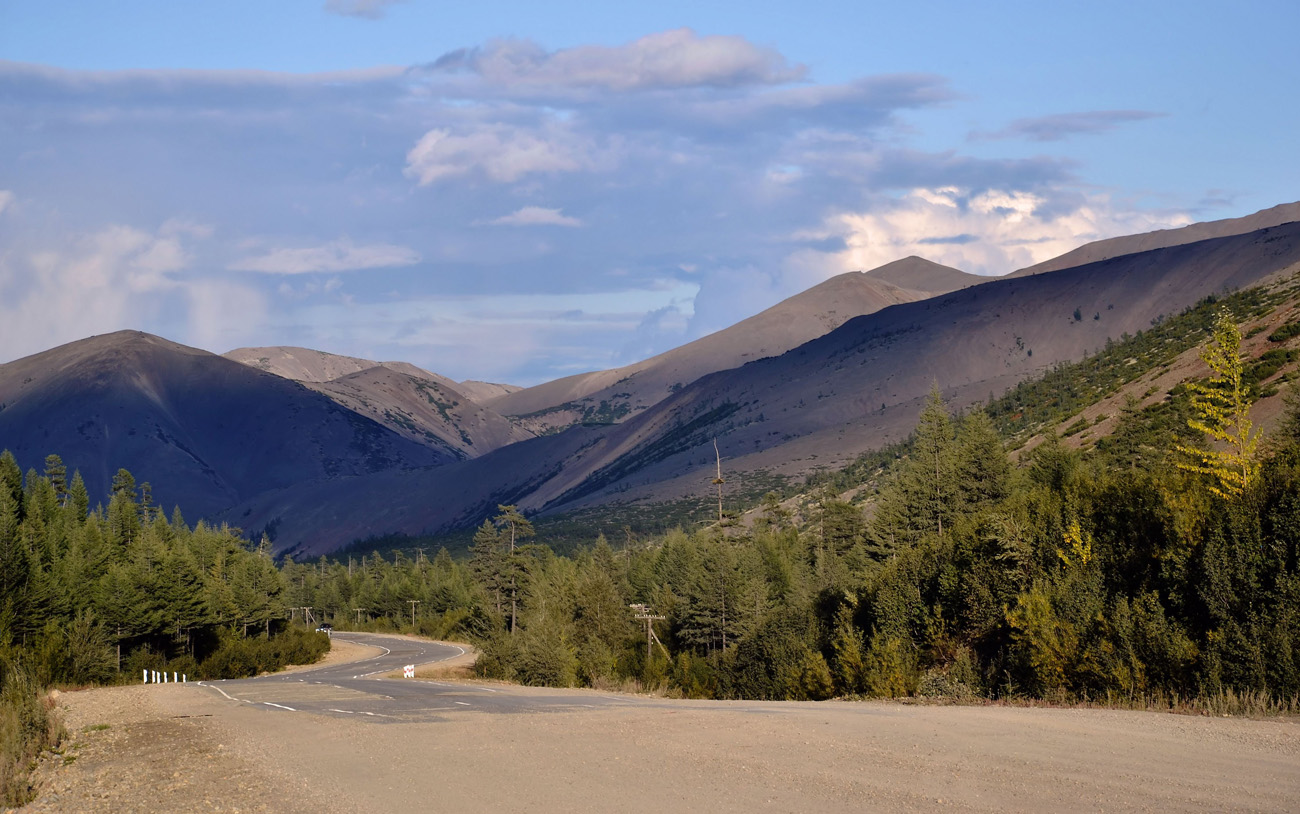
<point x="612" y="395"/>
<point x="853" y="389"/>
<point x="1164" y="238"/>
<point x="861" y="386"/>
<point x="206" y="431"/>
<point x="412" y="402"/>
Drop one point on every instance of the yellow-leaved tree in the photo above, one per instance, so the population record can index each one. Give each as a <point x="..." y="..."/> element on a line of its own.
<point x="1222" y="406"/>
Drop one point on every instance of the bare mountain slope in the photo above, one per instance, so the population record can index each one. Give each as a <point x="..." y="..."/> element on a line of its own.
<point x="204" y="430"/>
<point x="484" y="392"/>
<point x="424" y="410"/>
<point x="307" y="365"/>
<point x="861" y="385"/>
<point x="421" y="406"/>
<point x="1164" y="238"/>
<point x="853" y="389"/>
<point x="921" y="275"/>
<point x="612" y="395"/>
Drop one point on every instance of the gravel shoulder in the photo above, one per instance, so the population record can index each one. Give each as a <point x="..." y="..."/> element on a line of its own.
<point x="185" y="748"/>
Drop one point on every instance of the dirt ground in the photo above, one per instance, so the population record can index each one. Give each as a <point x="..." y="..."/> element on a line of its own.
<point x="181" y="748"/>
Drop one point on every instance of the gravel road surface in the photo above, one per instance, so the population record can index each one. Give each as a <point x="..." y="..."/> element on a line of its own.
<point x="342" y="737"/>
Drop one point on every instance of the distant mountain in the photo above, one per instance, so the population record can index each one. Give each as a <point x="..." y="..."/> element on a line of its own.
<point x="609" y="396"/>
<point x="818" y="405"/>
<point x="426" y="410"/>
<point x="207" y="432"/>
<point x="921" y="275"/>
<point x="484" y="392"/>
<point x="861" y="386"/>
<point x="307" y="365"/>
<point x="412" y="402"/>
<point x="1164" y="238"/>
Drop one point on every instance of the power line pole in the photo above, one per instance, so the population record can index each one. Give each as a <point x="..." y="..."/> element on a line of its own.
<point x="359" y="612"/>
<point x="644" y="613"/>
<point x="718" y="481"/>
<point x="413" y="602"/>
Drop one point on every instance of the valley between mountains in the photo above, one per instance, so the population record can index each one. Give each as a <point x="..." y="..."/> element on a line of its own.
<point x="317" y="450"/>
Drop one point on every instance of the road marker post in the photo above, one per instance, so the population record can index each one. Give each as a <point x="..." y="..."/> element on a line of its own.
<point x="408" y="671"/>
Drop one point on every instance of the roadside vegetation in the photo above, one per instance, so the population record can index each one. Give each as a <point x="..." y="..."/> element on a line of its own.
<point x="98" y="596"/>
<point x="1156" y="569"/>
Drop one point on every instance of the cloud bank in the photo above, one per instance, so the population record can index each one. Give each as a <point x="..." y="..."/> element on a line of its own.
<point x="711" y="177"/>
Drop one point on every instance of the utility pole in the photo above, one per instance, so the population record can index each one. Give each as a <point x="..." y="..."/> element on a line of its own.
<point x="413" y="602"/>
<point x="644" y="613"/>
<point x="718" y="481"/>
<point x="359" y="612"/>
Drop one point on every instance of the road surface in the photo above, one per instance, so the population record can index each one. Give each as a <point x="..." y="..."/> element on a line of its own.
<point x="360" y="688"/>
<point x="343" y="738"/>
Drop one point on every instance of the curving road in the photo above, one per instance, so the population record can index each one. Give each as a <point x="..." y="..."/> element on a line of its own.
<point x="359" y="688"/>
<point x="322" y="735"/>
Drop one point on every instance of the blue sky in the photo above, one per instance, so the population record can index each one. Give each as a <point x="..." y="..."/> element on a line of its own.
<point x="519" y="191"/>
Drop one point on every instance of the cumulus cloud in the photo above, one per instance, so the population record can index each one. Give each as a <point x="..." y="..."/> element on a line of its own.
<point x="1063" y="125"/>
<point x="115" y="278"/>
<point x="679" y="58"/>
<point x="705" y="159"/>
<point x="502" y="152"/>
<point x="986" y="232"/>
<point x="367" y="9"/>
<point x="535" y="216"/>
<point x="337" y="255"/>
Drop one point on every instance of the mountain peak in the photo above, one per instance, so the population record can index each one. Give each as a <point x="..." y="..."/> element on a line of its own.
<point x="918" y="274"/>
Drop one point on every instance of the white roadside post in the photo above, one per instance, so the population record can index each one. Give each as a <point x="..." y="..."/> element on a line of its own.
<point x="408" y="671"/>
<point x="146" y="676"/>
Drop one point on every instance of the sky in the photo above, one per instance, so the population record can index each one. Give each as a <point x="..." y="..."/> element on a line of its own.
<point x="518" y="191"/>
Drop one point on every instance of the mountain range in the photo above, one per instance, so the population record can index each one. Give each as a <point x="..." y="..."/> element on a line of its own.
<point x="319" y="450"/>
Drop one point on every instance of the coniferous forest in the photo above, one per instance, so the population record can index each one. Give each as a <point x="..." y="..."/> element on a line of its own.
<point x="1159" y="567"/>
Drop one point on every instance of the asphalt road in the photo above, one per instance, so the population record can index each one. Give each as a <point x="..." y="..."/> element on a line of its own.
<point x="359" y="688"/>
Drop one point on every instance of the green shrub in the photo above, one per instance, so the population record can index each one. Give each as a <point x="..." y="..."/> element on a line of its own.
<point x="27" y="728"/>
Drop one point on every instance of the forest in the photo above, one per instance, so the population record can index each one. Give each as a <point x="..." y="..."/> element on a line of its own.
<point x="95" y="596"/>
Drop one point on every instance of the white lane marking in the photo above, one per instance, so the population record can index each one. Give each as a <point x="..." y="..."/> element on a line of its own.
<point x="344" y="711"/>
<point x="462" y="703"/>
<point x="218" y="689"/>
<point x="280" y="706"/>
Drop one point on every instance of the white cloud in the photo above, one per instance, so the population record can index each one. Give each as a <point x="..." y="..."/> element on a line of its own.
<point x="337" y="255"/>
<point x="368" y="9"/>
<point x="535" y="216"/>
<point x="992" y="232"/>
<point x="6" y="200"/>
<point x="504" y="153"/>
<point x="116" y="278"/>
<point x="679" y="58"/>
